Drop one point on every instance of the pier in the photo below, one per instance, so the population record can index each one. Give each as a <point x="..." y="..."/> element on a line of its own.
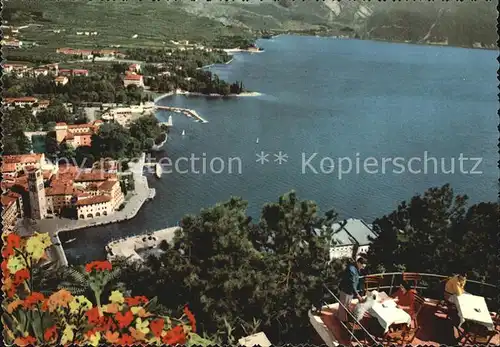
<point x="129" y="246"/>
<point x="185" y="111"/>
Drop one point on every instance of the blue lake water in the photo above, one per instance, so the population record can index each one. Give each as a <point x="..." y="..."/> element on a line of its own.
<point x="336" y="98"/>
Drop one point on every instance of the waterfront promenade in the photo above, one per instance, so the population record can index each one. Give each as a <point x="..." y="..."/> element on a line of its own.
<point x="129" y="246"/>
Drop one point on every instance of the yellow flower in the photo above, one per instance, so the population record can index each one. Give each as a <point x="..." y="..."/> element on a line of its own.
<point x="94" y="339"/>
<point x="36" y="245"/>
<point x="79" y="302"/>
<point x="67" y="335"/>
<point x="16" y="263"/>
<point x="116" y="297"/>
<point x="142" y="326"/>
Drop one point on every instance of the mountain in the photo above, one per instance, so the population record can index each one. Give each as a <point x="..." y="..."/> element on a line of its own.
<point x="464" y="24"/>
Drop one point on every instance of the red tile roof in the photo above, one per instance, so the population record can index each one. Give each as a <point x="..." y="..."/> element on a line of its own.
<point x="8" y="200"/>
<point x="8" y="167"/>
<point x="99" y="199"/>
<point x="21" y="158"/>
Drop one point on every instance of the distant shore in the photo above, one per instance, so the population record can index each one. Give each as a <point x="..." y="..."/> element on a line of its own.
<point x="214" y="95"/>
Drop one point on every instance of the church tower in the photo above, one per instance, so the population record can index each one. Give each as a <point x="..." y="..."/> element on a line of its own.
<point x="38" y="201"/>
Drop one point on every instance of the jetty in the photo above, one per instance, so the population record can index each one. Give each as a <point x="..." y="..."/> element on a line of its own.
<point x="128" y="247"/>
<point x="185" y="111"/>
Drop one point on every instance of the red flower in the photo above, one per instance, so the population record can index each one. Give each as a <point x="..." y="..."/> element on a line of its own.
<point x="124" y="320"/>
<point x="174" y="336"/>
<point x="50" y="333"/>
<point x="11" y="292"/>
<point x="125" y="340"/>
<point x="13" y="241"/>
<point x="136" y="300"/>
<point x="157" y="326"/>
<point x="21" y="276"/>
<point x="190" y="316"/>
<point x="5" y="269"/>
<point x="45" y="305"/>
<point x="98" y="266"/>
<point x="93" y="315"/>
<point x="33" y="299"/>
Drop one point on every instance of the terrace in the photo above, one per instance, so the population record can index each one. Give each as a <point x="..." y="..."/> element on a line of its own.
<point x="435" y="321"/>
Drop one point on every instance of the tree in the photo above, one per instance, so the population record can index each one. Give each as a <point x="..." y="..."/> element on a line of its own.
<point x="234" y="271"/>
<point x="435" y="233"/>
<point x="112" y="140"/>
<point x="16" y="143"/>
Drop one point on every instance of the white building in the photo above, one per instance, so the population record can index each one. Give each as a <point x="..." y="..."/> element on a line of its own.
<point x="133" y="79"/>
<point x="352" y="238"/>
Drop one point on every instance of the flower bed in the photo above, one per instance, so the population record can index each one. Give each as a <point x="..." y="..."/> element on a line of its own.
<point x="31" y="318"/>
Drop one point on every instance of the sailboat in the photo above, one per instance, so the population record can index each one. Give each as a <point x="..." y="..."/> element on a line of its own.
<point x="183" y="132"/>
<point x="257" y="141"/>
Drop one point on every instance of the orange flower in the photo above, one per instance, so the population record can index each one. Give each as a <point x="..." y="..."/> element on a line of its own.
<point x="50" y="333"/>
<point x="13" y="305"/>
<point x="111" y="308"/>
<point x="61" y="298"/>
<point x="126" y="340"/>
<point x="112" y="337"/>
<point x="157" y="326"/>
<point x="33" y="299"/>
<point x="24" y="341"/>
<point x="174" y="336"/>
<point x="190" y="316"/>
<point x="20" y="276"/>
<point x="98" y="266"/>
<point x="137" y="334"/>
<point x="124" y="320"/>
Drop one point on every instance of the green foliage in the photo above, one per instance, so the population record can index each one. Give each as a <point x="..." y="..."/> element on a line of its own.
<point x="436" y="233"/>
<point x="239" y="276"/>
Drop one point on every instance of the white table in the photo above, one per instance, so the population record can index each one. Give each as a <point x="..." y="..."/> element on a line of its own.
<point x="388" y="314"/>
<point x="473" y="308"/>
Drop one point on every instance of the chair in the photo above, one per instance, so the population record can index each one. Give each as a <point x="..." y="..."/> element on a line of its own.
<point x="476" y="334"/>
<point x="412" y="277"/>
<point x="418" y="305"/>
<point x="371" y="281"/>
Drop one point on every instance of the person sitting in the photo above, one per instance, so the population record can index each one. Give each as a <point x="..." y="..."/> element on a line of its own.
<point x="455" y="286"/>
<point x="405" y="297"/>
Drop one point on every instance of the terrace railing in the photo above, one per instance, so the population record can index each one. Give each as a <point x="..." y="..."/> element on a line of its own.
<point x="431" y="285"/>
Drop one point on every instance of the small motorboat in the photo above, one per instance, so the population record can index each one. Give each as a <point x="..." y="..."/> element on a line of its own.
<point x="70" y="240"/>
<point x="257" y="141"/>
<point x="183" y="132"/>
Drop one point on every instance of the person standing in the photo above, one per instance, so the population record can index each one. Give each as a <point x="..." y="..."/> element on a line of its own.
<point x="350" y="287"/>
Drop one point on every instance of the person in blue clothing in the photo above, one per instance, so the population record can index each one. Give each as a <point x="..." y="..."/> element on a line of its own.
<point x="350" y="286"/>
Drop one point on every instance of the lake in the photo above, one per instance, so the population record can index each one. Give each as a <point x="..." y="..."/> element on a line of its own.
<point x="326" y="102"/>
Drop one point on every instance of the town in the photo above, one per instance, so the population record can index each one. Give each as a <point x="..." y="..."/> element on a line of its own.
<point x="105" y="244"/>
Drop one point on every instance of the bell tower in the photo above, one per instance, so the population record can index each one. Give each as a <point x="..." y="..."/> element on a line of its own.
<point x="38" y="201"/>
